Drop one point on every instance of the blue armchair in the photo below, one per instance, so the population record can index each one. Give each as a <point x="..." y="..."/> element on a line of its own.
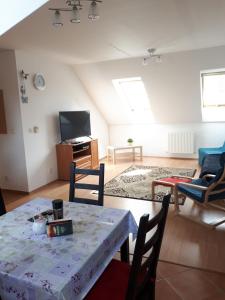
<point x="202" y="152"/>
<point x="206" y="190"/>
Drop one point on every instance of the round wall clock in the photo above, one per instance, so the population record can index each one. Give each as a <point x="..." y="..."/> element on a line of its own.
<point x="39" y="82"/>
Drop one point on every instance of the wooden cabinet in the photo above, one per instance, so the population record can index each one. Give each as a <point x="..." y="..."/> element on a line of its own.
<point x="94" y="154"/>
<point x="84" y="154"/>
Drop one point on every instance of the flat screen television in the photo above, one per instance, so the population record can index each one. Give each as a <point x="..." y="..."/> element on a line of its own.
<point x="74" y="124"/>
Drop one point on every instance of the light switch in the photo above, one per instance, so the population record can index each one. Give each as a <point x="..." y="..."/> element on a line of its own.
<point x="35" y="129"/>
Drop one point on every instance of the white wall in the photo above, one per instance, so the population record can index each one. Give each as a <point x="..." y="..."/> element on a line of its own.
<point x="13" y="173"/>
<point x="154" y="137"/>
<point x="173" y="87"/>
<point x="63" y="91"/>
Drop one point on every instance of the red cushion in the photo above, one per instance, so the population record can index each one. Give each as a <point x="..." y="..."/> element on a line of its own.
<point x="175" y="179"/>
<point x="112" y="285"/>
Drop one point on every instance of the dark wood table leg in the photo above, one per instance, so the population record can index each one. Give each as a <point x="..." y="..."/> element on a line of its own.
<point x="124" y="251"/>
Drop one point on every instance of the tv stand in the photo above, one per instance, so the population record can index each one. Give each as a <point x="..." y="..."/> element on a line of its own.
<point x="85" y="154"/>
<point x="75" y="143"/>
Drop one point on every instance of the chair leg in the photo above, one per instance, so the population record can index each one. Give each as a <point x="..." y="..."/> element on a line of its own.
<point x="176" y="200"/>
<point x="152" y="291"/>
<point x="153" y="190"/>
<point x="150" y="295"/>
<point x="124" y="251"/>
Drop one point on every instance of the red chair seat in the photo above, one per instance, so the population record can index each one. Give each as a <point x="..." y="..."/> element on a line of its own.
<point x="175" y="179"/>
<point x="113" y="283"/>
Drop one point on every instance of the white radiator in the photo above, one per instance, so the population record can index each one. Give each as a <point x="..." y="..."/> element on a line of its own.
<point x="181" y="142"/>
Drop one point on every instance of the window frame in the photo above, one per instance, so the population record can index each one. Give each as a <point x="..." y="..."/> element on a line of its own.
<point x="122" y="94"/>
<point x="211" y="113"/>
<point x="210" y="73"/>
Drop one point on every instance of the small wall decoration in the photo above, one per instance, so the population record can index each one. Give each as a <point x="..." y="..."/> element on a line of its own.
<point x="24" y="77"/>
<point x="39" y="82"/>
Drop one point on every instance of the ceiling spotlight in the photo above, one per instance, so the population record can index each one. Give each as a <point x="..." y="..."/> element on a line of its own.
<point x="93" y="11"/>
<point x="152" y="57"/>
<point x="151" y="51"/>
<point x="75" y="15"/>
<point x="145" y="61"/>
<point x="74" y="7"/>
<point x="158" y="58"/>
<point x="57" y="22"/>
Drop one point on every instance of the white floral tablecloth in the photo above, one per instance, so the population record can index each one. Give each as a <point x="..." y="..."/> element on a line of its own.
<point x="37" y="267"/>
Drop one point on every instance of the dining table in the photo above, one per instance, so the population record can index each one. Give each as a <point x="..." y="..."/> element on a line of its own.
<point x="36" y="267"/>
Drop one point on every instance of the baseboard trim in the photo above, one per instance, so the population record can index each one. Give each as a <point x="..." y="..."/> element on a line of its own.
<point x="15" y="191"/>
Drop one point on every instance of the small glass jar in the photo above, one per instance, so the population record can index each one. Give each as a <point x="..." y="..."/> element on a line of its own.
<point x="39" y="226"/>
<point x="57" y="206"/>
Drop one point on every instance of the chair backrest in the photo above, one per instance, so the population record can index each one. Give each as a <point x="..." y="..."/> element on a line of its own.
<point x="211" y="164"/>
<point x="85" y="186"/>
<point x="216" y="186"/>
<point x="2" y="205"/>
<point x="143" y="270"/>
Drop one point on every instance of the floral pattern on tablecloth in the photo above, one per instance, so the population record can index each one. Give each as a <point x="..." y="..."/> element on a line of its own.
<point x="37" y="267"/>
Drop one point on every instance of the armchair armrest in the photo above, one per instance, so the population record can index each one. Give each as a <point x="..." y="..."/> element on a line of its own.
<point x="194" y="186"/>
<point x="209" y="175"/>
<point x="182" y="176"/>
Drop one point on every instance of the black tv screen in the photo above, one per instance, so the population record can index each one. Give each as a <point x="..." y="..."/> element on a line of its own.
<point x="74" y="124"/>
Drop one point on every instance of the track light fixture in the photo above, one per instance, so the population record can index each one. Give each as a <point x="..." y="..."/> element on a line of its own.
<point x="74" y="7"/>
<point x="151" y="57"/>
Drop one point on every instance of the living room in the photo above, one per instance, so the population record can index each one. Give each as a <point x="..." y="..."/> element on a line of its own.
<point x="79" y="66"/>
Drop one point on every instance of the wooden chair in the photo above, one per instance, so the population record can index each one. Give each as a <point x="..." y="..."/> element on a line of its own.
<point x="206" y="191"/>
<point x="136" y="282"/>
<point x="85" y="186"/>
<point x="2" y="205"/>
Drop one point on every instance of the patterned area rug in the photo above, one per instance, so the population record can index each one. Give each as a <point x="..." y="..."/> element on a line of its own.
<point x="135" y="182"/>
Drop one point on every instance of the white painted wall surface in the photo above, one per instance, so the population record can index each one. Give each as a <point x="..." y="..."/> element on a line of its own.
<point x="14" y="11"/>
<point x="154" y="137"/>
<point x="13" y="174"/>
<point x="64" y="91"/>
<point x="173" y="87"/>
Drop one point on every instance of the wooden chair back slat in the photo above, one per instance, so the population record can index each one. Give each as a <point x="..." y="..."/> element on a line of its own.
<point x="87" y="171"/>
<point x="86" y="186"/>
<point x="154" y="221"/>
<point x="85" y="201"/>
<point x="149" y="244"/>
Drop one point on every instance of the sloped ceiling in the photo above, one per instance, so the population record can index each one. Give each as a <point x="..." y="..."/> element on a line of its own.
<point x="172" y="86"/>
<point x="126" y="29"/>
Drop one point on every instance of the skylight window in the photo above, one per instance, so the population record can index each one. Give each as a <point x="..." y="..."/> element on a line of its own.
<point x="213" y="95"/>
<point x="132" y="92"/>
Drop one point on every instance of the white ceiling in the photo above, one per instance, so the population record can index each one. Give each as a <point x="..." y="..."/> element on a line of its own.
<point x="126" y="29"/>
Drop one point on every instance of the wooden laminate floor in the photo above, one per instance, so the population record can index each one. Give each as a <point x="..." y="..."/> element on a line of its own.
<point x="185" y="243"/>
